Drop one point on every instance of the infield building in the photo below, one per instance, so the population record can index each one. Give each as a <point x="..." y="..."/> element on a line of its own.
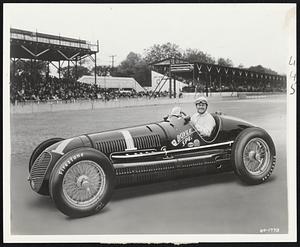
<point x="110" y="82"/>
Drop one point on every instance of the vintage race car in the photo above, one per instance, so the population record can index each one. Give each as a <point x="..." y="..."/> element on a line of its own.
<point x="80" y="173"/>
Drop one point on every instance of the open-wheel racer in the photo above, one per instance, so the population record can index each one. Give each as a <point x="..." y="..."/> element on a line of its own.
<point x="80" y="173"/>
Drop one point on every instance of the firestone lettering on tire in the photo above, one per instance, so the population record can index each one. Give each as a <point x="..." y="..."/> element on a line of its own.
<point x="68" y="162"/>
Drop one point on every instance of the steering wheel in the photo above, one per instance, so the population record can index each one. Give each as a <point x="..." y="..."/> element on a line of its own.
<point x="186" y="117"/>
<point x="183" y="113"/>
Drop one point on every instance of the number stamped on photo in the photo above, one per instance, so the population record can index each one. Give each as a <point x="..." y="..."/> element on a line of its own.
<point x="269" y="230"/>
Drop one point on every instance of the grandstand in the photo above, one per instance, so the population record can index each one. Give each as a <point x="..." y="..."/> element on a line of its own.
<point x="213" y="77"/>
<point x="55" y="50"/>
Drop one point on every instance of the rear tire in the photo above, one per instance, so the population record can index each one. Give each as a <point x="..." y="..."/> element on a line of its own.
<point x="253" y="155"/>
<point x="82" y="182"/>
<point x="40" y="148"/>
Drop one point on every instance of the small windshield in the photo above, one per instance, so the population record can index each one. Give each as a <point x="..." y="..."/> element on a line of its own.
<point x="176" y="111"/>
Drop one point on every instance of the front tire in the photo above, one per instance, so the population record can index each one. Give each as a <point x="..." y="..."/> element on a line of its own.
<point x="82" y="182"/>
<point x="253" y="155"/>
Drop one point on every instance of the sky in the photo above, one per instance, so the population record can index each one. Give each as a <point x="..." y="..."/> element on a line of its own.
<point x="248" y="34"/>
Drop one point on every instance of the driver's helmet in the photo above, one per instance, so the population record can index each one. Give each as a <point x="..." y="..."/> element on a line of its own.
<point x="176" y="111"/>
<point x="201" y="99"/>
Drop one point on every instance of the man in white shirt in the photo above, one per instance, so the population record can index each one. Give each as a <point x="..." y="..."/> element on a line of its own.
<point x="202" y="120"/>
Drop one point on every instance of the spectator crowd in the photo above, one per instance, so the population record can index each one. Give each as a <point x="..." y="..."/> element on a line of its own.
<point x="23" y="88"/>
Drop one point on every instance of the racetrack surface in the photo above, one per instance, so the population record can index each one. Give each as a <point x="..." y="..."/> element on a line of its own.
<point x="202" y="205"/>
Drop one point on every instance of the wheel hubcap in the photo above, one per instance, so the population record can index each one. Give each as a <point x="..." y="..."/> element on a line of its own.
<point x="252" y="155"/>
<point x="84" y="183"/>
<point x="256" y="156"/>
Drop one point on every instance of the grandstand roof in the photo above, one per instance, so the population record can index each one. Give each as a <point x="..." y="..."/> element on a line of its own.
<point x="190" y="69"/>
<point x="113" y="82"/>
<point x="33" y="45"/>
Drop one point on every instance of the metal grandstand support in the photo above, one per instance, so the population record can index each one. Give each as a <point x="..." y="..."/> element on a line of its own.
<point x="50" y="48"/>
<point x="171" y="67"/>
<point x="162" y="82"/>
<point x="170" y="82"/>
<point x="166" y="79"/>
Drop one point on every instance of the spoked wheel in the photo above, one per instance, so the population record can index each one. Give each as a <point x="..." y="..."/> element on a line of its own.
<point x="253" y="155"/>
<point x="256" y="156"/>
<point x="82" y="182"/>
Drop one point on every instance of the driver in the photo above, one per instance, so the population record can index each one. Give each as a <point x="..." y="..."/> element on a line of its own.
<point x="202" y="120"/>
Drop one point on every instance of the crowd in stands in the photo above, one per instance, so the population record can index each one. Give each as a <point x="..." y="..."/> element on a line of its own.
<point x="238" y="87"/>
<point x="50" y="88"/>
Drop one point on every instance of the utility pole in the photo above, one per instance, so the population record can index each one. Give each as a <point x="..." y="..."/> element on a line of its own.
<point x="112" y="60"/>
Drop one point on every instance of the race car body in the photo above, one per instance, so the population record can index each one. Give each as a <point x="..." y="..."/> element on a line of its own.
<point x="81" y="172"/>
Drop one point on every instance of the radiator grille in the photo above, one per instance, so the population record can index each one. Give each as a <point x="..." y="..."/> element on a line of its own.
<point x="149" y="141"/>
<point x="111" y="146"/>
<point x="39" y="168"/>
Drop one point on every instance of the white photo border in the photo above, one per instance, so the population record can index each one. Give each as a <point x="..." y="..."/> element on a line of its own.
<point x="153" y="238"/>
